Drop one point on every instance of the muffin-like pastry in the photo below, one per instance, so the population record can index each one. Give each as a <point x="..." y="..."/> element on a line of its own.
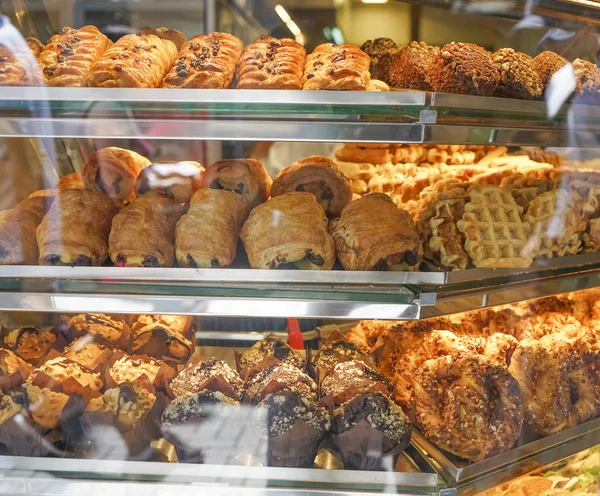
<point x="382" y="52"/>
<point x="160" y="341"/>
<point x="411" y="65"/>
<point x="587" y="77"/>
<point x="45" y="406"/>
<point x="113" y="331"/>
<point x="518" y="78"/>
<point x="338" y="351"/>
<point x="349" y="379"/>
<point x="30" y="343"/>
<point x="546" y="64"/>
<point x="271" y="345"/>
<point x="278" y="377"/>
<point x="88" y="353"/>
<point x="463" y="68"/>
<point x="129" y="403"/>
<point x="194" y="377"/>
<point x="129" y="369"/>
<point x="19" y="435"/>
<point x="183" y="324"/>
<point x="13" y="371"/>
<point x="60" y="369"/>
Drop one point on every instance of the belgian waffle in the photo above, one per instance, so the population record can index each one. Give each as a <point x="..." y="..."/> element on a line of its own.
<point x="524" y="189"/>
<point x="591" y="239"/>
<point x="446" y="241"/>
<point x="495" y="235"/>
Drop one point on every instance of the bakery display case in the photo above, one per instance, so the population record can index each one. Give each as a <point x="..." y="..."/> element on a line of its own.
<point x="319" y="247"/>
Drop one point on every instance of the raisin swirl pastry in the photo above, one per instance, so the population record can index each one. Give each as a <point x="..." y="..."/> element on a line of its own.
<point x="274" y="64"/>
<point x="372" y="233"/>
<point x="205" y="61"/>
<point x="75" y="229"/>
<point x="69" y="56"/>
<point x="289" y="231"/>
<point x="143" y="233"/>
<point x="19" y="68"/>
<point x="333" y="67"/>
<point x="319" y="176"/>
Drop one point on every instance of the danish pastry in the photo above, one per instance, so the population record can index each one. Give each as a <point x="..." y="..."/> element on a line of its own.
<point x="20" y="68"/>
<point x="333" y="67"/>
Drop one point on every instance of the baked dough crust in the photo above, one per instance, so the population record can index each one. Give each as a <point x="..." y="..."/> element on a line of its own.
<point x="289" y="230"/>
<point x="71" y="181"/>
<point x="271" y="63"/>
<point x="174" y="180"/>
<point x="20" y="69"/>
<point x="143" y="233"/>
<point x="337" y="67"/>
<point x="372" y="233"/>
<point x="317" y="175"/>
<point x="244" y="176"/>
<point x="206" y="61"/>
<point x="207" y="236"/>
<point x="69" y="56"/>
<point x="113" y="171"/>
<point x="75" y="229"/>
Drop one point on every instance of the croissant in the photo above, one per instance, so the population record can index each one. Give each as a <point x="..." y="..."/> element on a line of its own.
<point x="269" y="63"/>
<point x="75" y="229"/>
<point x="205" y="61"/>
<point x="113" y="171"/>
<point x="289" y="231"/>
<point x="247" y="177"/>
<point x="319" y="176"/>
<point x="18" y="244"/>
<point x="207" y="236"/>
<point x="332" y="67"/>
<point x="143" y="233"/>
<point x="20" y="68"/>
<point x="135" y="61"/>
<point x="174" y="180"/>
<point x="372" y="233"/>
<point x="69" y="56"/>
<point x="73" y="180"/>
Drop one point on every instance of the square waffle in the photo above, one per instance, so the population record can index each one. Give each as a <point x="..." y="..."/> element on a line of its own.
<point x="495" y="235"/>
<point x="524" y="189"/>
<point x="446" y="241"/>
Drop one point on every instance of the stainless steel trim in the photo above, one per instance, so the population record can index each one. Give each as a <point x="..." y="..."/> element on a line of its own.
<point x="249" y="336"/>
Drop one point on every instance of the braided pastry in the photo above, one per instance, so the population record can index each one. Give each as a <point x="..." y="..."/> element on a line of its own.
<point x="333" y="67"/>
<point x="18" y="68"/>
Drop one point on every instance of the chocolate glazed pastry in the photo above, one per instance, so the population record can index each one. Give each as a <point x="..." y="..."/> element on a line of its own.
<point x="18" y="225"/>
<point x="207" y="236"/>
<point x="174" y="180"/>
<point x="373" y="234"/>
<point x="29" y="343"/>
<point x="246" y="177"/>
<point x="143" y="233"/>
<point x="319" y="176"/>
<point x="75" y="229"/>
<point x="271" y="345"/>
<point x="289" y="231"/>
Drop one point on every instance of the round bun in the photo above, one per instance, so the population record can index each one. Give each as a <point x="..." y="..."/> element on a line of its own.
<point x="518" y="79"/>
<point x="411" y="66"/>
<point x="546" y="64"/>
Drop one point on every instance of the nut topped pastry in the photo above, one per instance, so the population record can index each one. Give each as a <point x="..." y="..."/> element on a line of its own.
<point x="60" y="369"/>
<point x="87" y="353"/>
<point x="30" y="343"/>
<point x="382" y="52"/>
<point x="277" y="377"/>
<point x="183" y="324"/>
<point x="194" y="377"/>
<point x="546" y="64"/>
<point x="338" y="351"/>
<point x="411" y="66"/>
<point x="13" y="370"/>
<point x="128" y="369"/>
<point x="518" y="78"/>
<point x="46" y="407"/>
<point x="271" y="345"/>
<point x="113" y="331"/>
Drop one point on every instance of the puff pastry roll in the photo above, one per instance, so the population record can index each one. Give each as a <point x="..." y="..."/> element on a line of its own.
<point x="73" y="180"/>
<point x="174" y="180"/>
<point x="18" y="244"/>
<point x="319" y="176"/>
<point x="113" y="171"/>
<point x="68" y="57"/>
<point x="289" y="232"/>
<point x="246" y="177"/>
<point x="273" y="64"/>
<point x="135" y="61"/>
<point x="75" y="229"/>
<point x="207" y="236"/>
<point x="372" y="233"/>
<point x="20" y="68"/>
<point x="206" y="61"/>
<point x="143" y="233"/>
<point x="333" y="67"/>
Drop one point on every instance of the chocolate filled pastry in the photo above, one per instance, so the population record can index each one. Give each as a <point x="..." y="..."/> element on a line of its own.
<point x="32" y="344"/>
<point x="18" y="225"/>
<point x="271" y="345"/>
<point x="113" y="171"/>
<point x="195" y="376"/>
<point x="372" y="233"/>
<point x="183" y="324"/>
<point x="160" y="341"/>
<point x="205" y="61"/>
<point x="75" y="229"/>
<point x="410" y="67"/>
<point x="289" y="232"/>
<point x="337" y="67"/>
<point x="135" y="61"/>
<point x="463" y="68"/>
<point x="58" y="370"/>
<point x="244" y="176"/>
<point x="207" y="235"/>
<point x="71" y="181"/>
<point x="143" y="233"/>
<point x="174" y="180"/>
<point x="546" y="64"/>
<point x="467" y="406"/>
<point x="18" y="67"/>
<point x="14" y="371"/>
<point x="319" y="176"/>
<point x="382" y="52"/>
<point x="518" y="78"/>
<point x="276" y="377"/>
<point x="69" y="56"/>
<point x="272" y="64"/>
<point x="102" y="328"/>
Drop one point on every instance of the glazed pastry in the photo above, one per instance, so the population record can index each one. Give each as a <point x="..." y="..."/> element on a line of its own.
<point x="332" y="67"/>
<point x="71" y="181"/>
<point x="207" y="236"/>
<point x="194" y="378"/>
<point x="143" y="233"/>
<point x="100" y="326"/>
<point x="159" y="341"/>
<point x="69" y="56"/>
<point x="205" y="61"/>
<point x="271" y="345"/>
<point x="174" y="180"/>
<point x="272" y="64"/>
<point x="289" y="231"/>
<point x="30" y="343"/>
<point x="35" y="45"/>
<point x="113" y="171"/>
<point x="372" y="233"/>
<point x="18" y="225"/>
<point x="135" y="61"/>
<point x="60" y="369"/>
<point x="75" y="230"/>
<point x="20" y="69"/>
<point x="246" y="177"/>
<point x="319" y="176"/>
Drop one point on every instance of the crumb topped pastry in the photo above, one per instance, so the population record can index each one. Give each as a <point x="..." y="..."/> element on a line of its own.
<point x="61" y="369"/>
<point x="518" y="78"/>
<point x="271" y="346"/>
<point x="130" y="403"/>
<point x="280" y="376"/>
<point x="30" y="343"/>
<point x="546" y="64"/>
<point x="411" y="65"/>
<point x="46" y="406"/>
<point x="128" y="369"/>
<point x="191" y="379"/>
<point x="99" y="324"/>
